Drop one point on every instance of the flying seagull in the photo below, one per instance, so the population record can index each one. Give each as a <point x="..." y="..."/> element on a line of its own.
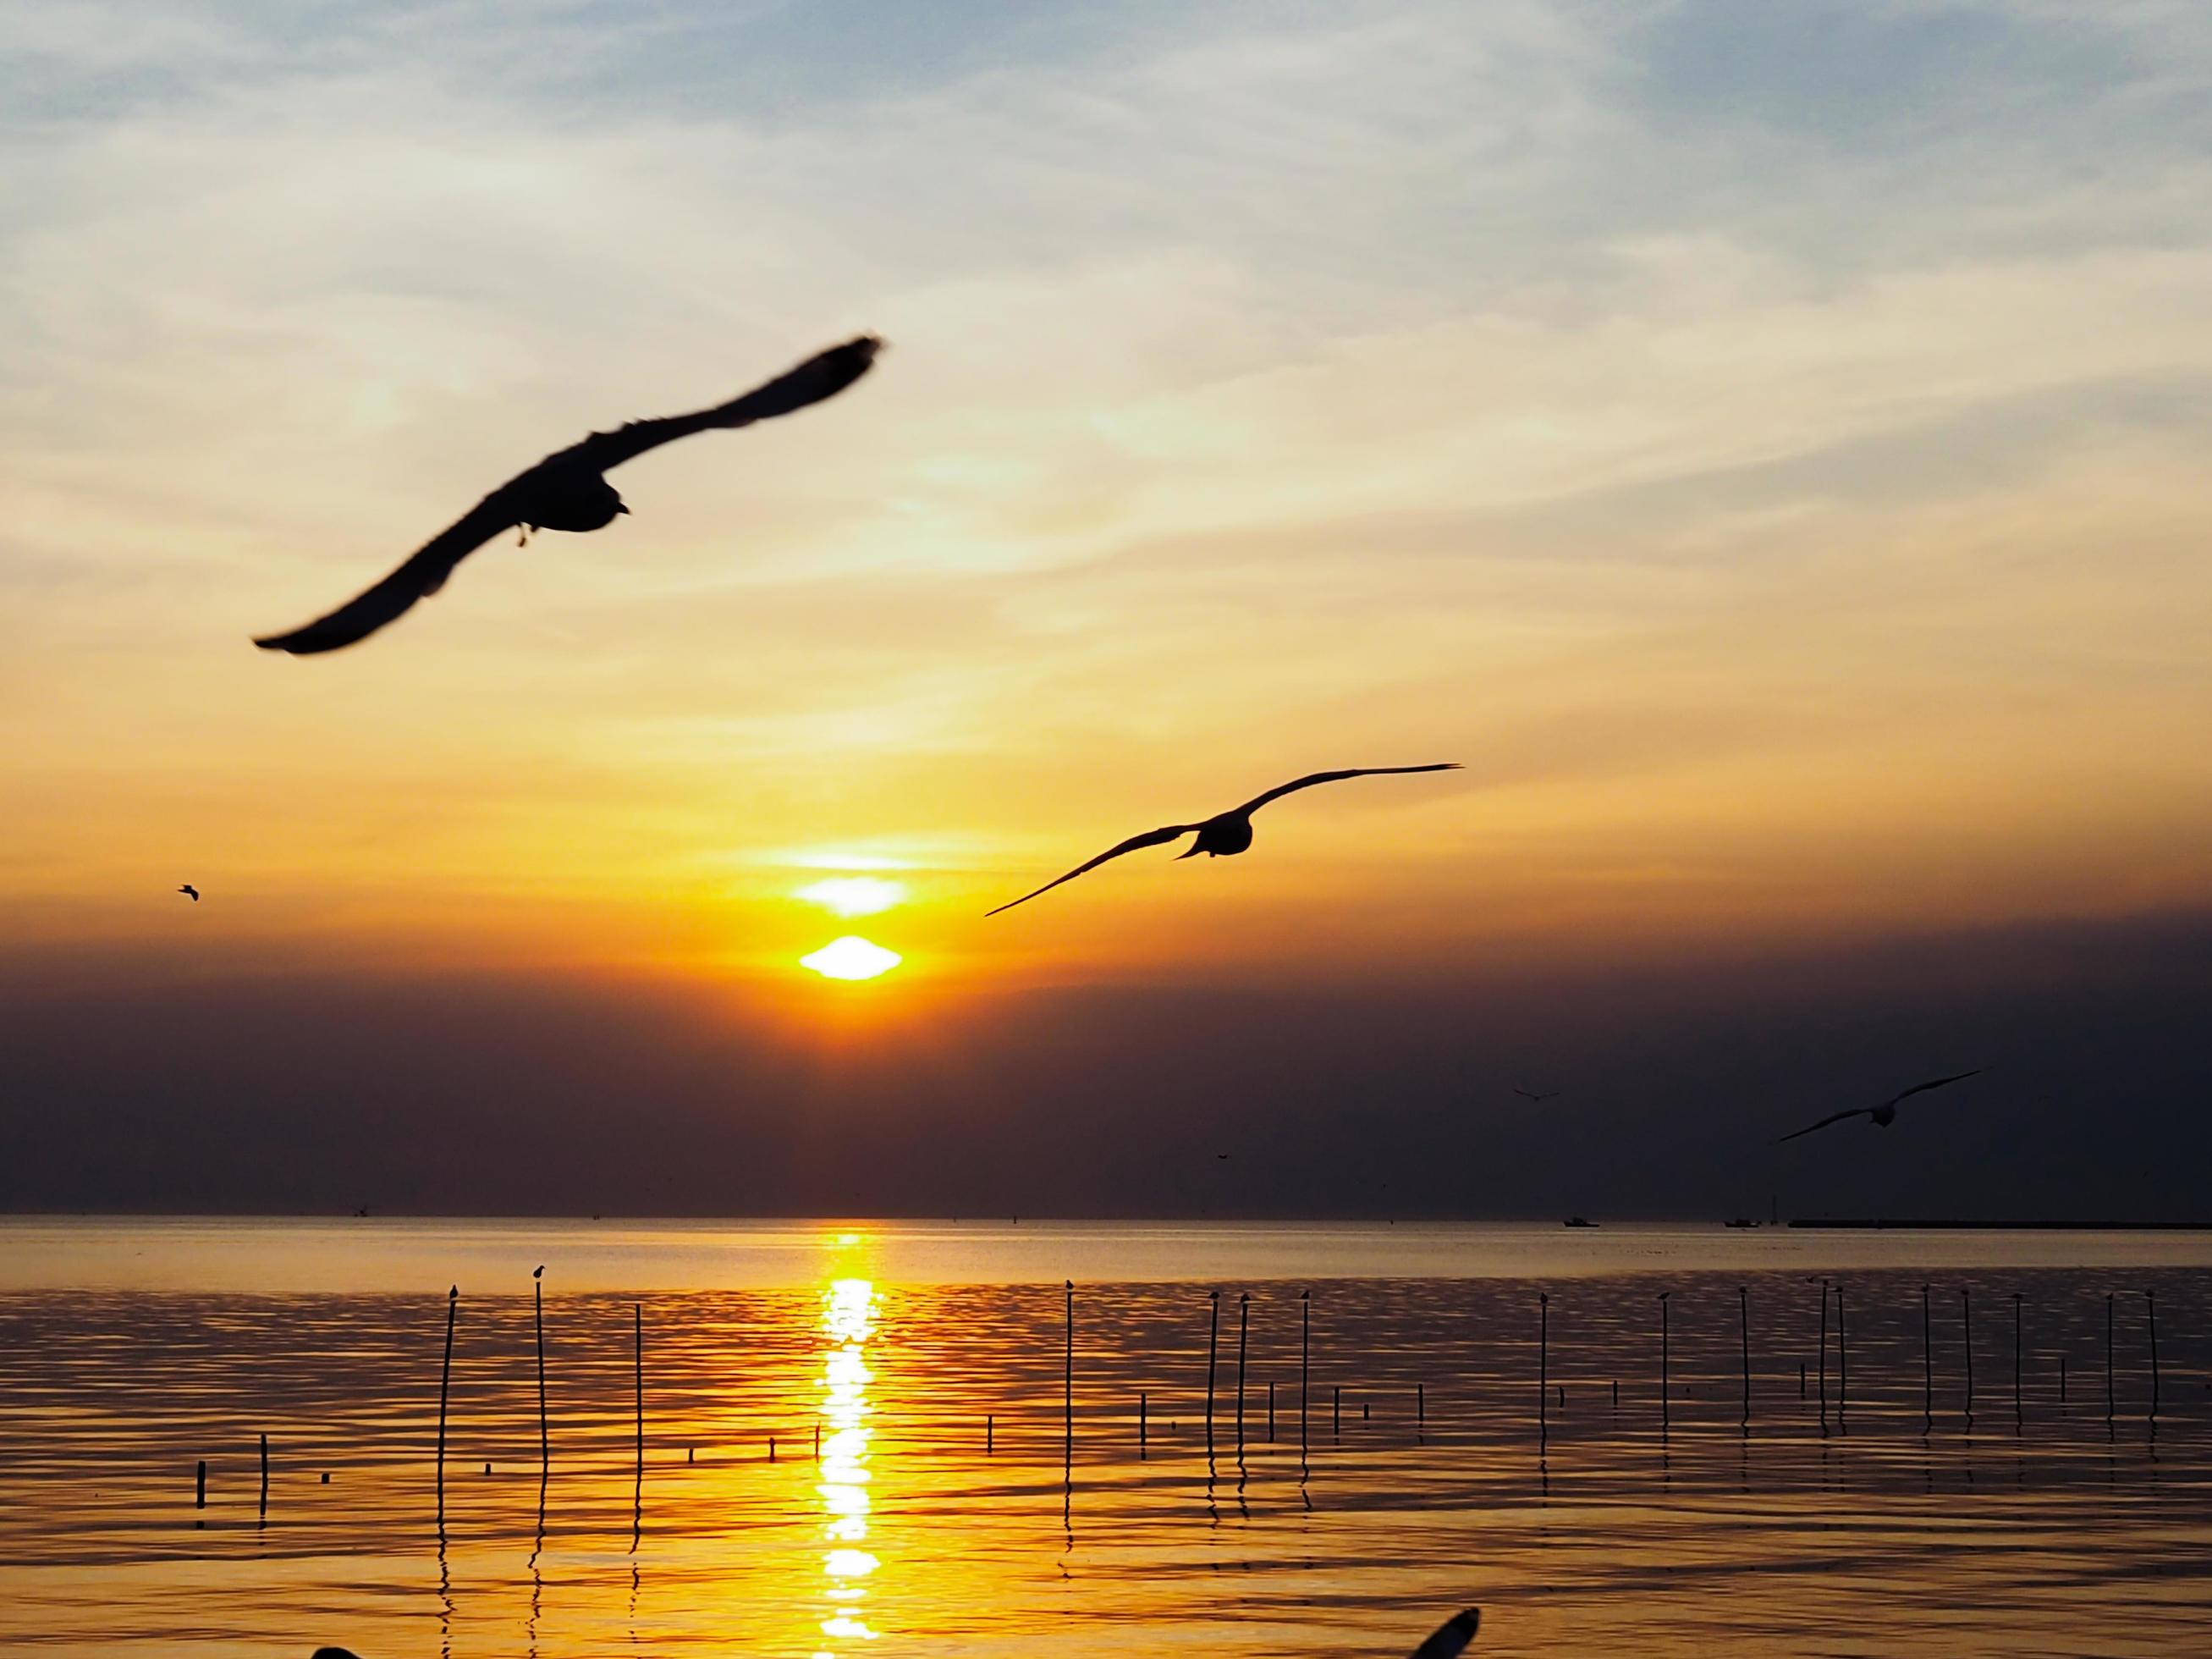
<point x="1885" y="1114"/>
<point x="1549" y="1094"/>
<point x="189" y="892"/>
<point x="1454" y="1634"/>
<point x="1226" y="834"/>
<point x="567" y="490"/>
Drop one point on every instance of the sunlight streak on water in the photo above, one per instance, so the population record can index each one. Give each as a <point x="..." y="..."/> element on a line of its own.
<point x="849" y="1310"/>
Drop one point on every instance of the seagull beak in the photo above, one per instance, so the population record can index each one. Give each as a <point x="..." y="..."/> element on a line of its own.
<point x="621" y="506"/>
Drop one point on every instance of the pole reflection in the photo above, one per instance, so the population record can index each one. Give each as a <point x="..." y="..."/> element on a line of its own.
<point x="849" y="1319"/>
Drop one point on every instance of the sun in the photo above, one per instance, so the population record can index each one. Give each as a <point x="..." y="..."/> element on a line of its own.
<point x="852" y="957"/>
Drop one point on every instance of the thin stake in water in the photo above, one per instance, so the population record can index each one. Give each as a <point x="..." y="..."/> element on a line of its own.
<point x="2150" y="1310"/>
<point x="545" y="1430"/>
<point x="1213" y="1353"/>
<point x="1244" y="1321"/>
<point x="1305" y="1364"/>
<point x="1966" y="1333"/>
<point x="1663" y="1407"/>
<point x="445" y="1383"/>
<point x="1843" y="1360"/>
<point x="1927" y="1363"/>
<point x="1543" y="1366"/>
<point x="1743" y="1310"/>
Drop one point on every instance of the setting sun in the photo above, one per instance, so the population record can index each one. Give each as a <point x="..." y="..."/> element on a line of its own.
<point x="852" y="957"/>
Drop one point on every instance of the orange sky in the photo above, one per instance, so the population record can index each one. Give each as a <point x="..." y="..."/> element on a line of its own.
<point x="1254" y="408"/>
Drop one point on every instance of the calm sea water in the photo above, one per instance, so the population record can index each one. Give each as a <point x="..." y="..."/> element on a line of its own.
<point x="1387" y="1458"/>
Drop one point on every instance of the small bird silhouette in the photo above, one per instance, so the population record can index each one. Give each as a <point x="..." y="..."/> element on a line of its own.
<point x="537" y="1273"/>
<point x="1549" y="1094"/>
<point x="1226" y="834"/>
<point x="189" y="892"/>
<point x="567" y="490"/>
<point x="1454" y="1634"/>
<point x="1885" y="1114"/>
<point x="1223" y="1157"/>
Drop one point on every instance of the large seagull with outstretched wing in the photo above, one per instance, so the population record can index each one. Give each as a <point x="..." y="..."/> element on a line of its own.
<point x="1226" y="834"/>
<point x="1883" y="1116"/>
<point x="567" y="490"/>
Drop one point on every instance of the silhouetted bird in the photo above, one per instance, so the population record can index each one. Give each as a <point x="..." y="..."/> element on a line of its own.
<point x="1225" y="835"/>
<point x="1885" y="1114"/>
<point x="1454" y="1634"/>
<point x="537" y="1273"/>
<point x="189" y="892"/>
<point x="1549" y="1094"/>
<point x="568" y="490"/>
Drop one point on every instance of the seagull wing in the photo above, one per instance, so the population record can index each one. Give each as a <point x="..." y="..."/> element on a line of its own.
<point x="1311" y="778"/>
<point x="1833" y="1117"/>
<point x="423" y="575"/>
<point x="1451" y="1636"/>
<point x="1157" y="838"/>
<point x="821" y="376"/>
<point x="1933" y="1083"/>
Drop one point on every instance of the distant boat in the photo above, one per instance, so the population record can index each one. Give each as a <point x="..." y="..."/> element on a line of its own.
<point x="1742" y="1221"/>
<point x="1580" y="1221"/>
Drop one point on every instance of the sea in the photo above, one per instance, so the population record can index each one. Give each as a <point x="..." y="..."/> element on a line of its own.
<point x="837" y="1439"/>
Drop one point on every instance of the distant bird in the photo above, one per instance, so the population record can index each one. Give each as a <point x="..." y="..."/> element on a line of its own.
<point x="537" y="1273"/>
<point x="1454" y="1634"/>
<point x="189" y="892"/>
<point x="1226" y="834"/>
<point x="567" y="490"/>
<point x="1223" y="1157"/>
<point x="1550" y="1094"/>
<point x="1885" y="1114"/>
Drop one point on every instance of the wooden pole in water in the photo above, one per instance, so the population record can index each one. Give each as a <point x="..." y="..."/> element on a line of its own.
<point x="445" y="1381"/>
<point x="1068" y="1385"/>
<point x="1966" y="1335"/>
<point x="2016" y="1415"/>
<point x="1927" y="1364"/>
<point x="1823" y="1350"/>
<point x="265" y="1475"/>
<point x="1543" y="1364"/>
<point x="1843" y="1359"/>
<point x="1305" y="1362"/>
<point x="1336" y="1413"/>
<point x="2150" y="1307"/>
<point x="637" y="1356"/>
<point x="1244" y="1321"/>
<point x="1142" y="1409"/>
<point x="1663" y="1408"/>
<point x="1420" y="1407"/>
<point x="1212" y="1351"/>
<point x="1271" y="1411"/>
<point x="1743" y="1311"/>
<point x="199" y="1487"/>
<point x="545" y="1430"/>
<point x="2108" y="1357"/>
<point x="990" y="1429"/>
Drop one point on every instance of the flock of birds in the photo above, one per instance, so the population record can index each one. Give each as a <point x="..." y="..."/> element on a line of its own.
<point x="568" y="490"/>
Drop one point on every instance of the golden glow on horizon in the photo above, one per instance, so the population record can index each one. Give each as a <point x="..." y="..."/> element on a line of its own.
<point x="853" y="895"/>
<point x="852" y="957"/>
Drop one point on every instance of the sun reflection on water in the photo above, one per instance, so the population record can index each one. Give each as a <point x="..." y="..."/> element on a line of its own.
<point x="849" y="1314"/>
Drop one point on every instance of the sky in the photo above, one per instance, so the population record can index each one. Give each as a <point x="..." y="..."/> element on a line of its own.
<point x="1762" y="443"/>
